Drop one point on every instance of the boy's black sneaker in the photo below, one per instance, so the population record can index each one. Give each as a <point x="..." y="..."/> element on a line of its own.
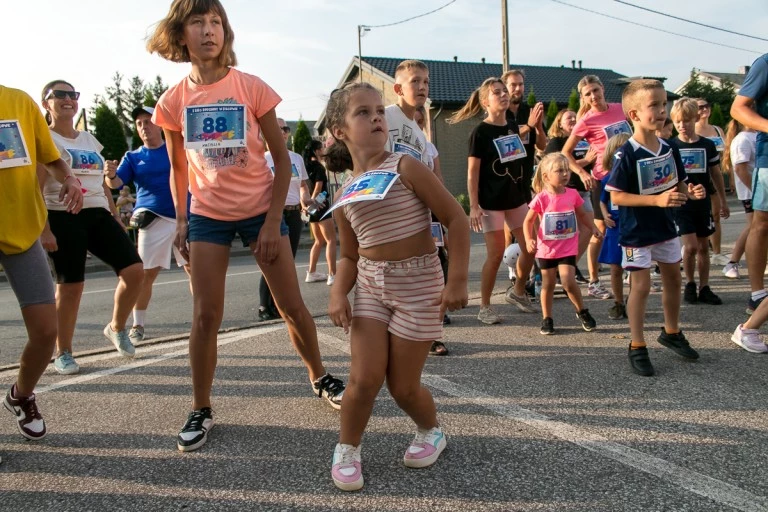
<point x="677" y="343"/>
<point x="194" y="433"/>
<point x="707" y="296"/>
<point x="752" y="304"/>
<point x="617" y="312"/>
<point x="266" y="314"/>
<point x="446" y="319"/>
<point x="547" y="326"/>
<point x="689" y="295"/>
<point x="587" y="322"/>
<point x="640" y="362"/>
<point x="330" y="388"/>
<point x="580" y="277"/>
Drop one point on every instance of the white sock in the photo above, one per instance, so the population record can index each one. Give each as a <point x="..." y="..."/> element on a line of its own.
<point x="138" y="316"/>
<point x="759" y="294"/>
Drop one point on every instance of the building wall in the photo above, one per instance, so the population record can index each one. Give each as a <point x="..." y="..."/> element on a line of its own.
<point x="452" y="141"/>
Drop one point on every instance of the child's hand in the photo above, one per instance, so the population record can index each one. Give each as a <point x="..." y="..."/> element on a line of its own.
<point x="531" y="246"/>
<point x="596" y="232"/>
<point x="454" y="296"/>
<point x="671" y="199"/>
<point x="609" y="222"/>
<point x="697" y="191"/>
<point x="340" y="312"/>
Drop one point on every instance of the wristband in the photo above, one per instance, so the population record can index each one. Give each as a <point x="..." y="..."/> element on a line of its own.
<point x="530" y="127"/>
<point x="74" y="177"/>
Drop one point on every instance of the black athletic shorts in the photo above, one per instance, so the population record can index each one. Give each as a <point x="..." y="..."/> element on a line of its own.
<point x="547" y="263"/>
<point x="92" y="230"/>
<point x="747" y="206"/>
<point x="694" y="221"/>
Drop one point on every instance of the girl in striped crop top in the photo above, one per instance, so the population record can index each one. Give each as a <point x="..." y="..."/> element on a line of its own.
<point x="389" y="258"/>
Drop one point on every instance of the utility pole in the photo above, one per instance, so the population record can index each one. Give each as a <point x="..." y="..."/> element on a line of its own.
<point x="504" y="37"/>
<point x="361" y="30"/>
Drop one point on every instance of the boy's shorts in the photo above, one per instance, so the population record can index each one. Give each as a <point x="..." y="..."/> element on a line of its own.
<point x="405" y="295"/>
<point x="610" y="252"/>
<point x="760" y="189"/>
<point x="640" y="258"/>
<point x="223" y="232"/>
<point x="694" y="221"/>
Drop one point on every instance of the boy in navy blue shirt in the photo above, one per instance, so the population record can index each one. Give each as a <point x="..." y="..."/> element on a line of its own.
<point x="647" y="182"/>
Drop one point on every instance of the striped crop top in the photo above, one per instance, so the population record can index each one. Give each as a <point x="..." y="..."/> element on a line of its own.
<point x="399" y="215"/>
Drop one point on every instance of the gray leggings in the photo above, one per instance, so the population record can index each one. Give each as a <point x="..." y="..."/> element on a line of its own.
<point x="30" y="276"/>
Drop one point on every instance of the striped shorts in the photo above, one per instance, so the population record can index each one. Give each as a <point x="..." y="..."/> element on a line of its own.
<point x="405" y="295"/>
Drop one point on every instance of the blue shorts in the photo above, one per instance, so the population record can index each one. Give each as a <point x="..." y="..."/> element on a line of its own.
<point x="611" y="251"/>
<point x="222" y="232"/>
<point x="760" y="189"/>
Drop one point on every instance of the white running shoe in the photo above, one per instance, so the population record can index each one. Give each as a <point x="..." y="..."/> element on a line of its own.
<point x="331" y="279"/>
<point x="749" y="340"/>
<point x="731" y="270"/>
<point x="315" y="277"/>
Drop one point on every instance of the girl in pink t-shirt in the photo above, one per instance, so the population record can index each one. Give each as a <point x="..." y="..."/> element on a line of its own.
<point x="214" y="121"/>
<point x="558" y="210"/>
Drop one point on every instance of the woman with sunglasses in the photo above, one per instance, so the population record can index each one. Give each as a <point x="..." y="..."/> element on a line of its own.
<point x="716" y="135"/>
<point x="68" y="238"/>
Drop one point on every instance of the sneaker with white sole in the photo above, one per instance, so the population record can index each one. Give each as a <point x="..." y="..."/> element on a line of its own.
<point x="346" y="467"/>
<point x="120" y="340"/>
<point x="315" y="277"/>
<point x="28" y="418"/>
<point x="65" y="364"/>
<point x="749" y="340"/>
<point x="488" y="316"/>
<point x="731" y="270"/>
<point x="331" y="279"/>
<point x="718" y="259"/>
<point x="194" y="433"/>
<point x="425" y="448"/>
<point x="522" y="302"/>
<point x="598" y="291"/>
<point x="136" y="334"/>
<point x="330" y="388"/>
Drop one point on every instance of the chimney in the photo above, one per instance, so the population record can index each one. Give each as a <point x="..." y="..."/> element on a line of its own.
<point x="743" y="70"/>
<point x="579" y="65"/>
<point x="482" y="60"/>
<point x="573" y="64"/>
<point x="455" y="58"/>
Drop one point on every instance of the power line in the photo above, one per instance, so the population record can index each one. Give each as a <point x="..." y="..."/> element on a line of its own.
<point x="655" y="28"/>
<point x="689" y="21"/>
<point x="411" y="18"/>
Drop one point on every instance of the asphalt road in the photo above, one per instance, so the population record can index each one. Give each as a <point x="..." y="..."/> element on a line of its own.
<point x="534" y="422"/>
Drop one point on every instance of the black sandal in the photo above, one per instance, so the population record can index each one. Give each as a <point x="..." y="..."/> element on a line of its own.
<point x="438" y="349"/>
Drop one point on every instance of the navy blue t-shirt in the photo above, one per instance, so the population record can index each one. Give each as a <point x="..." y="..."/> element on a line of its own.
<point x="755" y="86"/>
<point x="150" y="171"/>
<point x="637" y="170"/>
<point x="698" y="159"/>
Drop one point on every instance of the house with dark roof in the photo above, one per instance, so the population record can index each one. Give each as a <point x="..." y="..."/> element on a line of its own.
<point x="452" y="82"/>
<point x="717" y="78"/>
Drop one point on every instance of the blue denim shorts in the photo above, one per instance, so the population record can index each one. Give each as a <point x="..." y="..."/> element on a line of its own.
<point x="222" y="232"/>
<point x="760" y="189"/>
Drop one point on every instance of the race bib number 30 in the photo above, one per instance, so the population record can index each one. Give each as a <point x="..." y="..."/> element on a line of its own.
<point x="13" y="147"/>
<point x="509" y="148"/>
<point x="656" y="174"/>
<point x="694" y="160"/>
<point x="86" y="161"/>
<point x="559" y="225"/>
<point x="617" y="128"/>
<point x="214" y="126"/>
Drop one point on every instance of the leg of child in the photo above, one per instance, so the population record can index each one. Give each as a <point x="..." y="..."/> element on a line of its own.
<point x="741" y="242"/>
<point x="370" y="346"/>
<point x="703" y="262"/>
<point x="524" y="263"/>
<point x="406" y="362"/>
<point x="209" y="271"/>
<point x="638" y="296"/>
<point x="691" y="245"/>
<point x="548" y="280"/>
<point x="282" y="280"/>
<point x="617" y="283"/>
<point x="568" y="280"/>
<point x="670" y="296"/>
<point x="717" y="235"/>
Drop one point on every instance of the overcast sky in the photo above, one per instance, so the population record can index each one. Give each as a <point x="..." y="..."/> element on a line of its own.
<point x="302" y="47"/>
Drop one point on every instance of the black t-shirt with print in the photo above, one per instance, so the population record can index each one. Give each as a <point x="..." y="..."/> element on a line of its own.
<point x="698" y="159"/>
<point x="501" y="186"/>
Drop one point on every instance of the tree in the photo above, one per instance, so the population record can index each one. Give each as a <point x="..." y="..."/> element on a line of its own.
<point x="135" y="95"/>
<point x="120" y="101"/>
<point x="721" y="96"/>
<point x="109" y="131"/>
<point x="157" y="88"/>
<point x="531" y="98"/>
<point x="573" y="100"/>
<point x="302" y="137"/>
<point x="552" y="111"/>
<point x="716" y="117"/>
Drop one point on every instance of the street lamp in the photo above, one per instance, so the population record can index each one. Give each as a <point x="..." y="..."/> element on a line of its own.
<point x="361" y="30"/>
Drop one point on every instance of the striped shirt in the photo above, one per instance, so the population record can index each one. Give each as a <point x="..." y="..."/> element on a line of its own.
<point x="398" y="216"/>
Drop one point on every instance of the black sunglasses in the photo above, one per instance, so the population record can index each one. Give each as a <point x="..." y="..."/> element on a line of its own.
<point x="286" y="129"/>
<point x="702" y="107"/>
<point x="60" y="95"/>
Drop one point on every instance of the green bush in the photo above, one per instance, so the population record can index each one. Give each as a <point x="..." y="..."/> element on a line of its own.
<point x="463" y="200"/>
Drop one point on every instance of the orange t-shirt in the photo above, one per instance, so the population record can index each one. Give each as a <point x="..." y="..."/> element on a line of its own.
<point x="226" y="183"/>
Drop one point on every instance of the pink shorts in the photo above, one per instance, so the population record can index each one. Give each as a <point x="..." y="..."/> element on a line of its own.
<point x="405" y="295"/>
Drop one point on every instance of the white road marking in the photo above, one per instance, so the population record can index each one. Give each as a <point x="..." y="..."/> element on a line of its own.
<point x="693" y="481"/>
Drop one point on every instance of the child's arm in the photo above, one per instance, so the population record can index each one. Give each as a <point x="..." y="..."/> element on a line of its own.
<point x="672" y="198"/>
<point x="339" y="309"/>
<point x="717" y="179"/>
<point x="567" y="151"/>
<point x="111" y="203"/>
<point x="268" y="241"/>
<point x="691" y="191"/>
<point x="742" y="172"/>
<point x="607" y="218"/>
<point x="436" y="197"/>
<point x="585" y="222"/>
<point x="174" y="142"/>
<point x="529" y="231"/>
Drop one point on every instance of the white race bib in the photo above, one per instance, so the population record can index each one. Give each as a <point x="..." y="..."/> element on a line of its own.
<point x="617" y="128"/>
<point x="509" y="147"/>
<point x="13" y="147"/>
<point x="719" y="144"/>
<point x="406" y="149"/>
<point x="221" y="125"/>
<point x="86" y="162"/>
<point x="694" y="160"/>
<point x="559" y="225"/>
<point x="437" y="233"/>
<point x="656" y="174"/>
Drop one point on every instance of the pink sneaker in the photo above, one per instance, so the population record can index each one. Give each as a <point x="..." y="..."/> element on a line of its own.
<point x="425" y="448"/>
<point x="346" y="470"/>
